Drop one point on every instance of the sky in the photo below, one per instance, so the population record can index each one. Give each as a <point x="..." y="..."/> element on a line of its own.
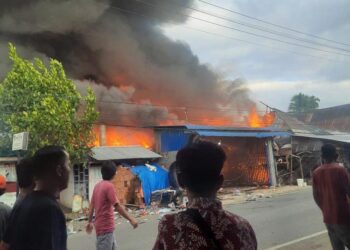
<point x="275" y="71"/>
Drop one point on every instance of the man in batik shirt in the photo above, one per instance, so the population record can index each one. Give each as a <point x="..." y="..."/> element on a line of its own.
<point x="205" y="225"/>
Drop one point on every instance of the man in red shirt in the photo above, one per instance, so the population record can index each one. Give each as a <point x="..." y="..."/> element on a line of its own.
<point x="205" y="224"/>
<point x="331" y="190"/>
<point x="104" y="201"/>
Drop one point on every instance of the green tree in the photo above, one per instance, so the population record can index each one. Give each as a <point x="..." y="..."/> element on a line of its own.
<point x="303" y="103"/>
<point x="44" y="102"/>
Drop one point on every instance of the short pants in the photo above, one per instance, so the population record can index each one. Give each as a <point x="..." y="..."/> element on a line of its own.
<point x="106" y="242"/>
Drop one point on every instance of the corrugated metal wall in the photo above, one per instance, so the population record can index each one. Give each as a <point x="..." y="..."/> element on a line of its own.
<point x="246" y="156"/>
<point x="172" y="140"/>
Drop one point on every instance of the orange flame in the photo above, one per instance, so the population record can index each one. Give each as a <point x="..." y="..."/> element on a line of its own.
<point x="259" y="121"/>
<point x="253" y="119"/>
<point x="121" y="136"/>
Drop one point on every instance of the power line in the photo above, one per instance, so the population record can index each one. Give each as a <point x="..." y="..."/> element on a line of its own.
<point x="90" y="33"/>
<point x="93" y="34"/>
<point x="260" y="28"/>
<point x="273" y="24"/>
<point x="242" y="31"/>
<point x="259" y="44"/>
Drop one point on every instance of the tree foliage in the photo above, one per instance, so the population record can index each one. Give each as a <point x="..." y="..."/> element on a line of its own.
<point x="303" y="103"/>
<point x="44" y="102"/>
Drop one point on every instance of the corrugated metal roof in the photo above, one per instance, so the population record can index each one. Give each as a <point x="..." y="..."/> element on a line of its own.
<point x="222" y="128"/>
<point x="336" y="137"/>
<point x="216" y="128"/>
<point x="332" y="118"/>
<point x="287" y="122"/>
<point x="210" y="133"/>
<point x="122" y="153"/>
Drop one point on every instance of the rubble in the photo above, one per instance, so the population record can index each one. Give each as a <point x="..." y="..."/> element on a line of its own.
<point x="249" y="194"/>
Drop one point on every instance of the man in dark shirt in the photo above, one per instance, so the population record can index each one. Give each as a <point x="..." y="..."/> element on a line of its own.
<point x="39" y="222"/>
<point x="331" y="189"/>
<point x="26" y="185"/>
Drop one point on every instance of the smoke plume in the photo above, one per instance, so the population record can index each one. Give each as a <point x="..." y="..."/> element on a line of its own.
<point x="118" y="48"/>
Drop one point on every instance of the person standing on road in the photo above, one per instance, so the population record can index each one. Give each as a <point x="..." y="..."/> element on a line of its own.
<point x="331" y="190"/>
<point x="205" y="224"/>
<point x="26" y="185"/>
<point x="25" y="180"/>
<point x="5" y="210"/>
<point x="39" y="221"/>
<point x="103" y="202"/>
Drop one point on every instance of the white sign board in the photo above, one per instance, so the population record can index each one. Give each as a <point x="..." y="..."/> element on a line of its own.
<point x="20" y="141"/>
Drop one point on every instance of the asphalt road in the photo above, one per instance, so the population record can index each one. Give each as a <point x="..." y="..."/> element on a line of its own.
<point x="275" y="220"/>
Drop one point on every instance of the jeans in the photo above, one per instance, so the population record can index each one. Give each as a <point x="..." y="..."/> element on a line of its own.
<point x="339" y="236"/>
<point x="106" y="242"/>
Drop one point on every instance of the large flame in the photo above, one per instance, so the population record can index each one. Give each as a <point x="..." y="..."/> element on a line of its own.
<point x="125" y="136"/>
<point x="260" y="121"/>
<point x="253" y="119"/>
<point x="121" y="136"/>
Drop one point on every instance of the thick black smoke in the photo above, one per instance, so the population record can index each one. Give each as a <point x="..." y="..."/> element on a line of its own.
<point x="119" y="44"/>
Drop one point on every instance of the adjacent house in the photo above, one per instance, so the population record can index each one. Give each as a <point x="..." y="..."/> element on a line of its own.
<point x="298" y="154"/>
<point x="334" y="118"/>
<point x="83" y="178"/>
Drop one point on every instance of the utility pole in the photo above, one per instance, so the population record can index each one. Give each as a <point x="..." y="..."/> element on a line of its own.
<point x="271" y="162"/>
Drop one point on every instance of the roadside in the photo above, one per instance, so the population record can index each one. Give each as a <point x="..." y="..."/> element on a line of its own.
<point x="229" y="196"/>
<point x="284" y="218"/>
<point x="317" y="241"/>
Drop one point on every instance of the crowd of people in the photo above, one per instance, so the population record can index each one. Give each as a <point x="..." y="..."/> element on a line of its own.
<point x="36" y="221"/>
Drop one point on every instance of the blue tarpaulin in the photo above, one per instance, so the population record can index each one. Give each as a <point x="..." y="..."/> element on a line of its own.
<point x="151" y="180"/>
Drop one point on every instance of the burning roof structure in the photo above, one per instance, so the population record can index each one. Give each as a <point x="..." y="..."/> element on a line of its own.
<point x="249" y="150"/>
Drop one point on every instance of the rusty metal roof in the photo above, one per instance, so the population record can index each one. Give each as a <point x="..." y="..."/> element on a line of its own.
<point x="106" y="153"/>
<point x="300" y="129"/>
<point x="333" y="118"/>
<point x="334" y="137"/>
<point x="285" y="121"/>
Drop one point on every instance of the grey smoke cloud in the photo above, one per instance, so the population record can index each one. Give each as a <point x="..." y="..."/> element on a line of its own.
<point x="116" y="108"/>
<point x="113" y="44"/>
<point x="45" y="16"/>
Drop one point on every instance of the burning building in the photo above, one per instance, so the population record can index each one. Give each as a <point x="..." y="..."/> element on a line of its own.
<point x="250" y="157"/>
<point x="141" y="78"/>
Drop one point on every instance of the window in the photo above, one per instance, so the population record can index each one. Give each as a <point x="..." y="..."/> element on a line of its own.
<point x="81" y="181"/>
